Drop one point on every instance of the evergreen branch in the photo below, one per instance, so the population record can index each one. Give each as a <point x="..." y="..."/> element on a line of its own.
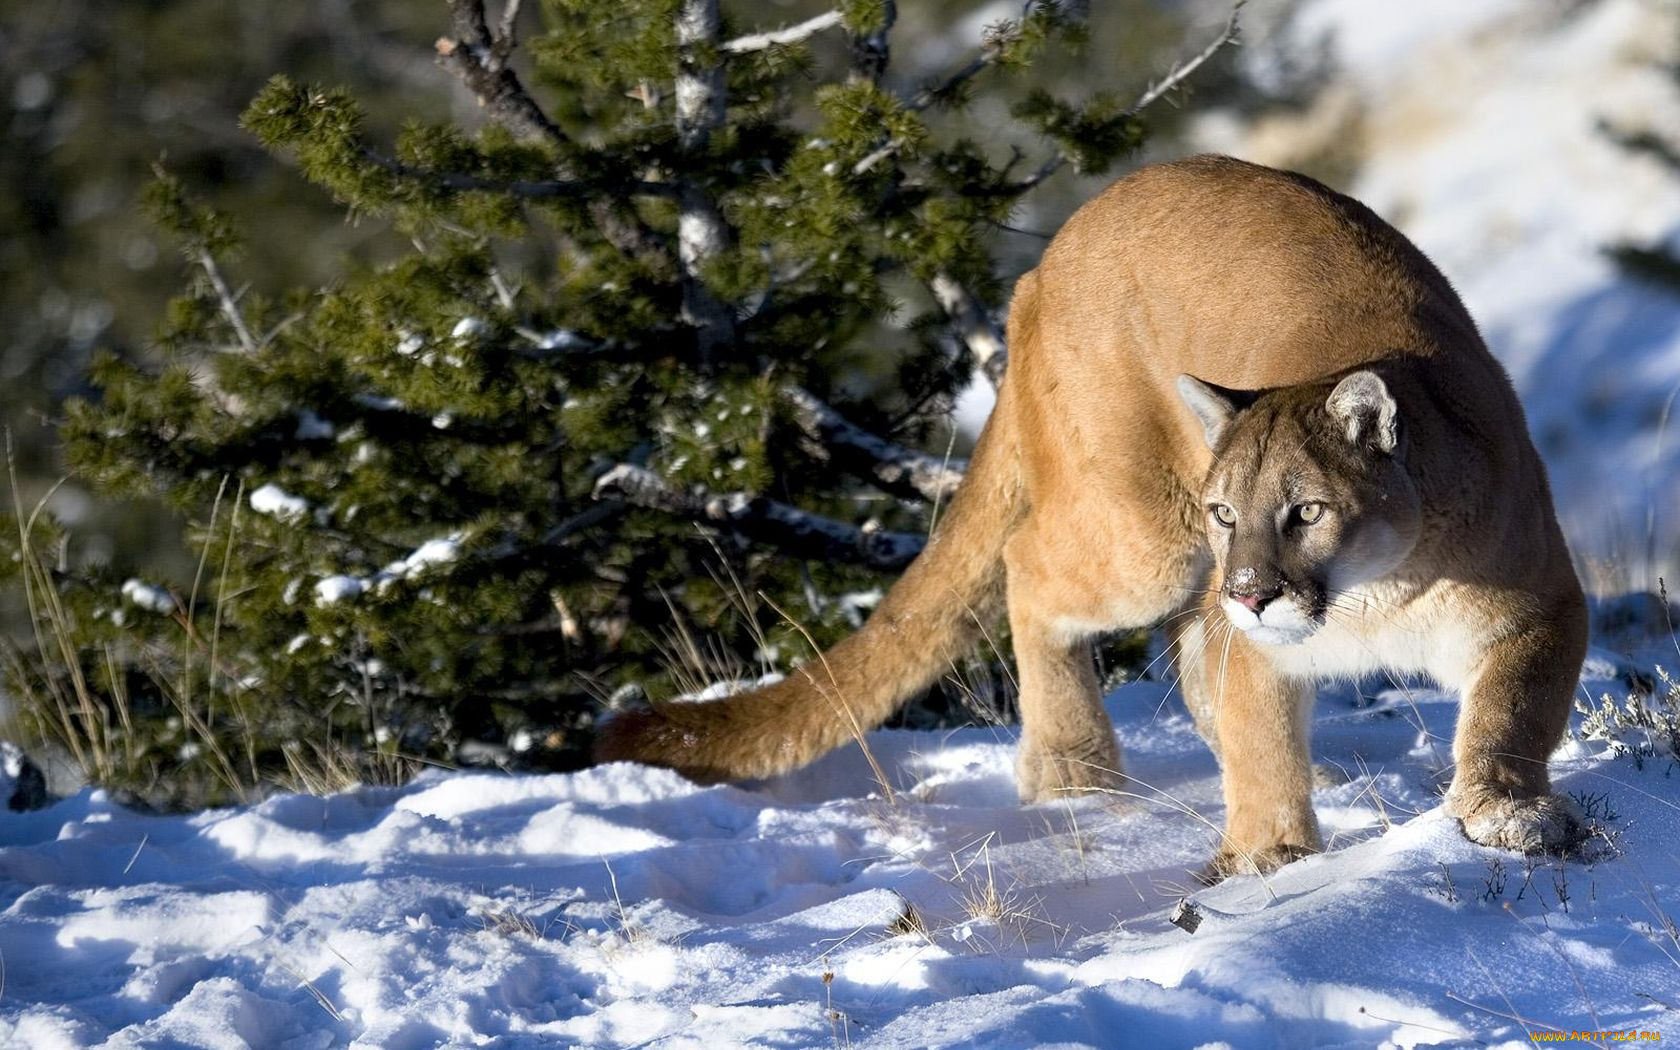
<point x="993" y="47"/>
<point x="926" y="97"/>
<point x="758" y="519"/>
<point x="973" y="324"/>
<point x="781" y="37"/>
<point x="1045" y="170"/>
<point x="532" y="189"/>
<point x="617" y="221"/>
<point x="479" y="58"/>
<point x="894" y="469"/>
<point x="871" y="50"/>
<point x="230" y="305"/>
<point x="584" y="520"/>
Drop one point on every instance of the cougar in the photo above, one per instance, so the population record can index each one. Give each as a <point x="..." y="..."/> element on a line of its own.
<point x="1240" y="404"/>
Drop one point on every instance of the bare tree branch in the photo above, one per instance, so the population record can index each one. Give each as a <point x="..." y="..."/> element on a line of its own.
<point x="970" y="318"/>
<point x="229" y="304"/>
<point x="507" y="34"/>
<point x="933" y="93"/>
<point x="1175" y="76"/>
<point x="997" y="37"/>
<point x="761" y="520"/>
<point x="973" y="324"/>
<point x="894" y="469"/>
<point x="479" y="57"/>
<point x="781" y="37"/>
<point x="702" y="235"/>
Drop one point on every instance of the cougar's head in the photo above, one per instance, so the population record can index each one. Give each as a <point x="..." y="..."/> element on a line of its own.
<point x="1307" y="496"/>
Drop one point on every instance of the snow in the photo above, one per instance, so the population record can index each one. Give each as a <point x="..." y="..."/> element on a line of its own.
<point x="148" y="596"/>
<point x="562" y="339"/>
<point x="624" y="906"/>
<point x="272" y="499"/>
<point x="335" y="589"/>
<point x="410" y="344"/>
<point x="429" y="555"/>
<point x="432" y="552"/>
<point x="467" y="328"/>
<point x="311" y="426"/>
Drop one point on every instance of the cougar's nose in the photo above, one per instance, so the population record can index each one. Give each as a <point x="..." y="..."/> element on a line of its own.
<point x="1254" y="598"/>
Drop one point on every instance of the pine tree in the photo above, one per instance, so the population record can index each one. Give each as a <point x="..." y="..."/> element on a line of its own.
<point x="675" y="321"/>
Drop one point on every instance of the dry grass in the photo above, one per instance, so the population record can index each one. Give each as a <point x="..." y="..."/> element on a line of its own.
<point x="1014" y="915"/>
<point x="63" y="701"/>
<point x="94" y="722"/>
<point x="910" y="922"/>
<point x="315" y="767"/>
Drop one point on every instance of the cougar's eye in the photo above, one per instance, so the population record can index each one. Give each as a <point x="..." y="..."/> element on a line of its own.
<point x="1307" y="513"/>
<point x="1223" y="514"/>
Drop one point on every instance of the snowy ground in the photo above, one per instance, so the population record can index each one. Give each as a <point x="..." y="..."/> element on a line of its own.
<point x="623" y="906"/>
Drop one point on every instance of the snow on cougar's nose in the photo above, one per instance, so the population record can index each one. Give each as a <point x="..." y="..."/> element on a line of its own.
<point x="1249" y="589"/>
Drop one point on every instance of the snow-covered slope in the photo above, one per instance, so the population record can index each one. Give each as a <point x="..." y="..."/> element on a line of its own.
<point x="623" y="906"/>
<point x="1480" y="130"/>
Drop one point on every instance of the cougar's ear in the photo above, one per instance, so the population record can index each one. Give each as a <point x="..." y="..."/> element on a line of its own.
<point x="1215" y="406"/>
<point x="1366" y="411"/>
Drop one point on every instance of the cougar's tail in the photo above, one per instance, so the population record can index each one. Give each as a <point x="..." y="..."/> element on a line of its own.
<point x="935" y="609"/>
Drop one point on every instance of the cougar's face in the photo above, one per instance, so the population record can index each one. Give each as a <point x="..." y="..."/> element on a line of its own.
<point x="1306" y="497"/>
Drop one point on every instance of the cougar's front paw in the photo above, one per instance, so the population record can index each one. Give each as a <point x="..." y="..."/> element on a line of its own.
<point x="1231" y="861"/>
<point x="1532" y="824"/>
<point x="1044" y="774"/>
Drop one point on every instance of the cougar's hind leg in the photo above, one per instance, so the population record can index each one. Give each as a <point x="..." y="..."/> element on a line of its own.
<point x="1067" y="740"/>
<point x="1060" y="595"/>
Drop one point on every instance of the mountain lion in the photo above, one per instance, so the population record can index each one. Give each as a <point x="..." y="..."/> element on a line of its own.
<point x="1240" y="404"/>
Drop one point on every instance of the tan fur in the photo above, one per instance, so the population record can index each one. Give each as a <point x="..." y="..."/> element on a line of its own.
<point x="1337" y="368"/>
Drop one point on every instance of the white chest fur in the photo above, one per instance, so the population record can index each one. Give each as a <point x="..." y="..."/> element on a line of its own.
<point x="1375" y="628"/>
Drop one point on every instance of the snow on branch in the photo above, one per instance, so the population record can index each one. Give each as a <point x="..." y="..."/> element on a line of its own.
<point x="782" y="37"/>
<point x="479" y="57"/>
<point x="973" y="324"/>
<point x="891" y="467"/>
<point x="702" y="106"/>
<point x="761" y="520"/>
